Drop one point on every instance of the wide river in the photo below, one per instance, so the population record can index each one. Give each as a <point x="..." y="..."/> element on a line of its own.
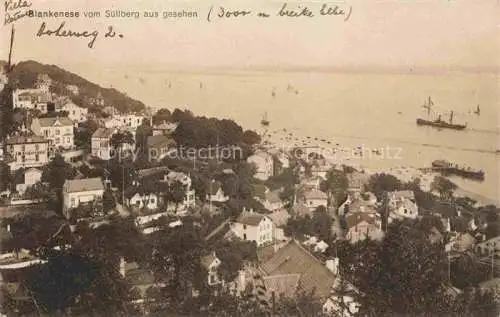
<point x="373" y="110"/>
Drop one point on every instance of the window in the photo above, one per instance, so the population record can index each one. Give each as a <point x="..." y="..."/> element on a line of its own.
<point x="37" y="147"/>
<point x="58" y="132"/>
<point x="37" y="157"/>
<point x="212" y="279"/>
<point x="244" y="227"/>
<point x="244" y="236"/>
<point x="73" y="202"/>
<point x="57" y="141"/>
<point x="152" y="200"/>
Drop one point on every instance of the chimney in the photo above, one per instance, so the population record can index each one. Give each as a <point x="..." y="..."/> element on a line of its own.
<point x="122" y="266"/>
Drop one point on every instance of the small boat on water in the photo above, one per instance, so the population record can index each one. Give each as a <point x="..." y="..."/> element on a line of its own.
<point x="477" y="111"/>
<point x="447" y="168"/>
<point x="439" y="123"/>
<point x="264" y="122"/>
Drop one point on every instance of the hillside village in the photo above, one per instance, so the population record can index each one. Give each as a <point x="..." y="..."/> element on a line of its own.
<point x="123" y="211"/>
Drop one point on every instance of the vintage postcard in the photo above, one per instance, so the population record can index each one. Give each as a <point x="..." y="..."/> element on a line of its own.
<point x="250" y="158"/>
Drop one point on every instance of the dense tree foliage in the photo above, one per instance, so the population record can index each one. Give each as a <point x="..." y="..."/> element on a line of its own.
<point x="443" y="186"/>
<point x="319" y="225"/>
<point x="404" y="275"/>
<point x="26" y="74"/>
<point x="379" y="184"/>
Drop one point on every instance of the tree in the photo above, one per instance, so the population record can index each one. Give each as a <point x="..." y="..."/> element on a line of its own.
<point x="161" y="116"/>
<point x="321" y="224"/>
<point x="379" y="184"/>
<point x="336" y="183"/>
<point x="406" y="275"/>
<point x="443" y="186"/>
<point x="251" y="137"/>
<point x="57" y="172"/>
<point x="121" y="138"/>
<point x="176" y="261"/>
<point x="5" y="178"/>
<point x="108" y="201"/>
<point x="84" y="132"/>
<point x="176" y="193"/>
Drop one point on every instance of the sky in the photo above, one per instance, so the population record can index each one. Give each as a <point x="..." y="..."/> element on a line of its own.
<point x="379" y="33"/>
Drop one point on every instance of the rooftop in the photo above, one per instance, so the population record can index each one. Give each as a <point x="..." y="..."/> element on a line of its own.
<point x="25" y="139"/>
<point x="50" y="122"/>
<point x="314" y="194"/>
<point x="353" y="219"/>
<point x="294" y="259"/>
<point x="283" y="285"/>
<point x="103" y="133"/>
<point x="82" y="185"/>
<point x="250" y="218"/>
<point x="207" y="260"/>
<point x="160" y="141"/>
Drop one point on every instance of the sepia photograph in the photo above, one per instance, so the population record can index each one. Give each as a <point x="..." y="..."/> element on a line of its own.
<point x="264" y="158"/>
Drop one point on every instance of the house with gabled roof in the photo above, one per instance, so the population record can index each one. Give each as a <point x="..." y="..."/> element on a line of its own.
<point x="81" y="191"/>
<point x="363" y="225"/>
<point x="100" y="143"/>
<point x="253" y="226"/>
<point x="313" y="198"/>
<point x="264" y="164"/>
<point x="211" y="263"/>
<point x="165" y="128"/>
<point x="216" y="193"/>
<point x="402" y="205"/>
<point x="59" y="130"/>
<point x="315" y="277"/>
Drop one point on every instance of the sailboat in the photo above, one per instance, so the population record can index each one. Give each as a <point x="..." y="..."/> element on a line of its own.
<point x="439" y="123"/>
<point x="265" y="122"/>
<point x="477" y="111"/>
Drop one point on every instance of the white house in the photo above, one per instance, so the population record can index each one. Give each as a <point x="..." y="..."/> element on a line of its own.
<point x="113" y="122"/>
<point x="31" y="177"/>
<point x="264" y="163"/>
<point x="100" y="143"/>
<point x="165" y="128"/>
<point x="75" y="112"/>
<point x="148" y="201"/>
<point x="215" y="193"/>
<point x="81" y="191"/>
<point x="31" y="99"/>
<point x="486" y="248"/>
<point x="402" y="205"/>
<point x="73" y="89"/>
<point x="127" y="120"/>
<point x="362" y="225"/>
<point x="211" y="263"/>
<point x="59" y="130"/>
<point x="26" y="151"/>
<point x="252" y="226"/>
<point x="341" y="306"/>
